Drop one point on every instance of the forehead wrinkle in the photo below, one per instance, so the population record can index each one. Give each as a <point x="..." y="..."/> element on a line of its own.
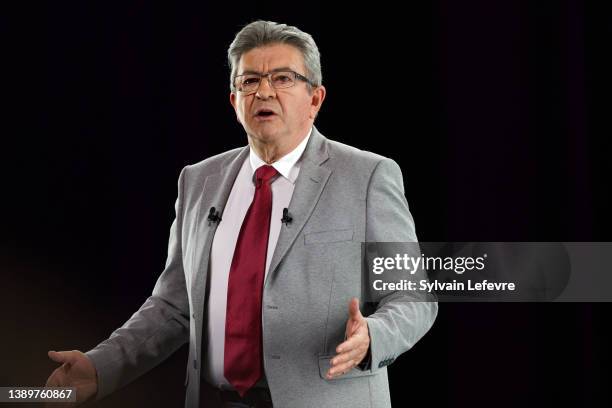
<point x="285" y="57"/>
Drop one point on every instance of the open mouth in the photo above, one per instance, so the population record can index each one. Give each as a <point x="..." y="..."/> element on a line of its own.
<point x="264" y="113"/>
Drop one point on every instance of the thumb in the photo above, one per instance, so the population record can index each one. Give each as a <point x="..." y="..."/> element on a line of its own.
<point x="354" y="312"/>
<point x="60" y="356"/>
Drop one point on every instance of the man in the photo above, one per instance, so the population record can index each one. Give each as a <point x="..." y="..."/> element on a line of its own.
<point x="264" y="262"/>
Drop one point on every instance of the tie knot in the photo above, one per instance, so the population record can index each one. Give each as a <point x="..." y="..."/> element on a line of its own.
<point x="264" y="174"/>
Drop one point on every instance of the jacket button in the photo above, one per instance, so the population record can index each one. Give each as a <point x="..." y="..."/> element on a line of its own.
<point x="381" y="365"/>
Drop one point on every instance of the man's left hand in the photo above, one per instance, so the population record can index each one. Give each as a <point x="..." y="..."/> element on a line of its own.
<point x="353" y="350"/>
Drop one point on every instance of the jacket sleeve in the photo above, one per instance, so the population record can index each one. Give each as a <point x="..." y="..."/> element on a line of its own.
<point x="156" y="330"/>
<point x="399" y="320"/>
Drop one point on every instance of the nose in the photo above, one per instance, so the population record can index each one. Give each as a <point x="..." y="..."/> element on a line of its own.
<point x="265" y="89"/>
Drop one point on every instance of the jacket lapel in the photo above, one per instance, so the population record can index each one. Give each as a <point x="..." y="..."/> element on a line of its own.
<point x="308" y="187"/>
<point x="215" y="193"/>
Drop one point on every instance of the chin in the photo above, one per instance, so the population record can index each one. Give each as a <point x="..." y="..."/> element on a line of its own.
<point x="265" y="135"/>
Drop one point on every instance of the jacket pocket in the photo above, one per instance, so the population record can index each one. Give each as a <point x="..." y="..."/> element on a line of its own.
<point x="326" y="237"/>
<point x="324" y="362"/>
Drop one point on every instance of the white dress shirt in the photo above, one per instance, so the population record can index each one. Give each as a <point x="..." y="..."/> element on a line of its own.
<point x="224" y="243"/>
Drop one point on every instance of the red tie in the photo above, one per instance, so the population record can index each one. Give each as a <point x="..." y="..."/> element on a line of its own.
<point x="243" y="364"/>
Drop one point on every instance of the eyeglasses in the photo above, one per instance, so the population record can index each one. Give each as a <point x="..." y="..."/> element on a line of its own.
<point x="249" y="83"/>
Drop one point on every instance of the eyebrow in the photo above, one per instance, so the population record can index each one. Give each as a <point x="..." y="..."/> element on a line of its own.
<point x="248" y="72"/>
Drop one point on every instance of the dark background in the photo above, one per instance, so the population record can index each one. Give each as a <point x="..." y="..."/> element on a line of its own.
<point x="497" y="112"/>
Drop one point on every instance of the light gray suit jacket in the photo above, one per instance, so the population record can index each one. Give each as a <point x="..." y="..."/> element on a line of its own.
<point x="343" y="196"/>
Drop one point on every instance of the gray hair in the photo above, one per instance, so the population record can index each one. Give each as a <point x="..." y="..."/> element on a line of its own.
<point x="260" y="33"/>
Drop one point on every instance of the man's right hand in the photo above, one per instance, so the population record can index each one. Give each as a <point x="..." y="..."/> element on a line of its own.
<point x="76" y="370"/>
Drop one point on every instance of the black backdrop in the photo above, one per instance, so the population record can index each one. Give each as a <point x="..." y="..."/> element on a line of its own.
<point x="496" y="111"/>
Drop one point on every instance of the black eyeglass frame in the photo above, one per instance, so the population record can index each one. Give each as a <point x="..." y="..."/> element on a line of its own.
<point x="269" y="77"/>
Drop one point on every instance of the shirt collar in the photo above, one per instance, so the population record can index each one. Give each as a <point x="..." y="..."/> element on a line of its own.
<point x="286" y="165"/>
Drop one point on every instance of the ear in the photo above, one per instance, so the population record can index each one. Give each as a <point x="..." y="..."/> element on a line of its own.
<point x="232" y="97"/>
<point x="317" y="98"/>
<point x="233" y="102"/>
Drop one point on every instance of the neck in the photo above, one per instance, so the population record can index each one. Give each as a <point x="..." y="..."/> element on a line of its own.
<point x="271" y="151"/>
